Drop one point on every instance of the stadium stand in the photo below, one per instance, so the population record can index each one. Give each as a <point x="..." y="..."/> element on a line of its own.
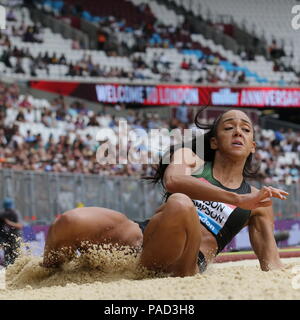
<point x="270" y="21"/>
<point x="171" y="50"/>
<point x="55" y="136"/>
<point x="34" y="129"/>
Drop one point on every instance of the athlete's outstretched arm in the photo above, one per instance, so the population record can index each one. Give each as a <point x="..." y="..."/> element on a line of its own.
<point x="261" y="233"/>
<point x="178" y="179"/>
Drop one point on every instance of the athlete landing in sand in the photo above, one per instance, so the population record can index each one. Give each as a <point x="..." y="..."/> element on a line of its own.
<point x="208" y="203"/>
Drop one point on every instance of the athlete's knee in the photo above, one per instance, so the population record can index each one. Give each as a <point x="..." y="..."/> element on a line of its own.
<point x="63" y="228"/>
<point x="180" y="203"/>
<point x="180" y="210"/>
<point x="66" y="219"/>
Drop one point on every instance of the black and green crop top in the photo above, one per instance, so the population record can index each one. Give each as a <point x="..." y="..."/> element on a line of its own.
<point x="223" y="220"/>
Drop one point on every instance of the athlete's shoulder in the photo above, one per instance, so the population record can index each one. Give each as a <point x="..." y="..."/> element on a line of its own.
<point x="188" y="157"/>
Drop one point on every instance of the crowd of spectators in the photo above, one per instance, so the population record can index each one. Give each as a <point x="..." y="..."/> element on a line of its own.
<point x="281" y="60"/>
<point x="278" y="154"/>
<point x="140" y="69"/>
<point x="66" y="154"/>
<point x="75" y="149"/>
<point x="150" y="34"/>
<point x="148" y="31"/>
<point x="207" y="68"/>
<point x="153" y="34"/>
<point x="118" y="37"/>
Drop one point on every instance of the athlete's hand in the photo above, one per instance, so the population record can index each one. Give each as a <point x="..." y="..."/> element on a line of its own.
<point x="260" y="198"/>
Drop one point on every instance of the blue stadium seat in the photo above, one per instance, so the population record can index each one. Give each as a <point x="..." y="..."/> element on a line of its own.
<point x="57" y="5"/>
<point x="96" y="19"/>
<point x="86" y="15"/>
<point x="198" y="53"/>
<point x="262" y="80"/>
<point x="129" y="30"/>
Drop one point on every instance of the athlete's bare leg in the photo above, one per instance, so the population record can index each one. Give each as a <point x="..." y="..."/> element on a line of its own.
<point x="172" y="238"/>
<point x="92" y="224"/>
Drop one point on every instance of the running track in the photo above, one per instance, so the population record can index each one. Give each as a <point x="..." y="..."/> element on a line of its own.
<point x="291" y="252"/>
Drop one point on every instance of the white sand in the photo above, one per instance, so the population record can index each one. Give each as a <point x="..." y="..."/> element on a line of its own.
<point x="117" y="276"/>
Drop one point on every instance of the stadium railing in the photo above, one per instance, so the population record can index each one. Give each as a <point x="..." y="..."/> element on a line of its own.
<point x="45" y="195"/>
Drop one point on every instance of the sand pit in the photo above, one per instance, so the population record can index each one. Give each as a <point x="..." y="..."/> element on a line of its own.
<point x="117" y="276"/>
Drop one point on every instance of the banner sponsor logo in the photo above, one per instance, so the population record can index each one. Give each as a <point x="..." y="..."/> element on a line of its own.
<point x="225" y="97"/>
<point x="161" y="95"/>
<point x="273" y="98"/>
<point x="175" y="95"/>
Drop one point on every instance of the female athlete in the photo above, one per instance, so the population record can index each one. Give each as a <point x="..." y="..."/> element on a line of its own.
<point x="208" y="202"/>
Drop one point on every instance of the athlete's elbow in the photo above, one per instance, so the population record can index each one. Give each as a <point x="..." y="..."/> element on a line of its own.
<point x="171" y="184"/>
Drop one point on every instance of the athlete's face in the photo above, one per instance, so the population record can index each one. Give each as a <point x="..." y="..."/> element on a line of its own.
<point x="234" y="135"/>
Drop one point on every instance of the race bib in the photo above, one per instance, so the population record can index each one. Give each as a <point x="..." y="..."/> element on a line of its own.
<point x="213" y="214"/>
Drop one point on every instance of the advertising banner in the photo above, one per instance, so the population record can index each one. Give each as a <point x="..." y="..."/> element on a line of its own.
<point x="174" y="95"/>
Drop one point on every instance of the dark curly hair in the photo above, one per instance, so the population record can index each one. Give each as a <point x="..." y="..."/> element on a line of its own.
<point x="250" y="171"/>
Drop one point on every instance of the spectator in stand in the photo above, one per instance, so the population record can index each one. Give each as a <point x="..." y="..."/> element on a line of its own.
<point x="278" y="136"/>
<point x="29" y="35"/>
<point x="27" y="54"/>
<point x="250" y="54"/>
<point x="10" y="228"/>
<point x="164" y="61"/>
<point x="15" y="32"/>
<point x="66" y="10"/>
<point x="192" y="65"/>
<point x="89" y="64"/>
<point x="182" y="114"/>
<point x="96" y="71"/>
<point x="46" y="58"/>
<point x="38" y="36"/>
<point x="184" y="65"/>
<point x="10" y="16"/>
<point x="242" y="53"/>
<point x="20" y="116"/>
<point x="2" y="38"/>
<point x="221" y="74"/>
<point x="16" y="141"/>
<point x="275" y="51"/>
<point x="71" y="72"/>
<point x="241" y="78"/>
<point x="3" y="140"/>
<point x="32" y="68"/>
<point x="35" y="152"/>
<point x="76" y="45"/>
<point x="19" y="67"/>
<point x="155" y="61"/>
<point x="25" y="103"/>
<point x="5" y="58"/>
<point x="247" y="54"/>
<point x="62" y="59"/>
<point x="93" y="121"/>
<point x="4" y="41"/>
<point x="54" y="59"/>
<point x="150" y="33"/>
<point x="101" y="40"/>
